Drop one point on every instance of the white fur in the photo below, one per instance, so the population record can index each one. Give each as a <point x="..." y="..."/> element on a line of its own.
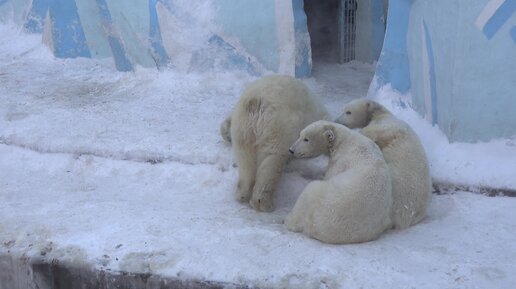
<point x="353" y="202"/>
<point x="265" y="121"/>
<point x="404" y="154"/>
<point x="225" y="129"/>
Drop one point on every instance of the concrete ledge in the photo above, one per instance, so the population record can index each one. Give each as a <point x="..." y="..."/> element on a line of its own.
<point x="442" y="188"/>
<point x="22" y="273"/>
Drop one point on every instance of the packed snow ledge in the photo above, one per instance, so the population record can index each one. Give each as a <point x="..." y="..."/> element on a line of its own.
<point x="127" y="172"/>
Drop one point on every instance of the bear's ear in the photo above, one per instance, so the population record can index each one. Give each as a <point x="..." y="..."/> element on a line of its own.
<point x="329" y="135"/>
<point x="369" y="106"/>
<point x="372" y="106"/>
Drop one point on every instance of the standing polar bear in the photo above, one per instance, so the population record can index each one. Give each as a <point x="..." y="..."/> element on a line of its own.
<point x="264" y="123"/>
<point x="353" y="202"/>
<point x="404" y="154"/>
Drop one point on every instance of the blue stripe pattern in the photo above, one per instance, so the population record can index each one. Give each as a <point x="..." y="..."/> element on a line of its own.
<point x="159" y="54"/>
<point x="36" y="16"/>
<point x="104" y="12"/>
<point x="303" y="69"/>
<point x="119" y="54"/>
<point x="378" y="28"/>
<point x="235" y="59"/>
<point x="431" y="62"/>
<point x="513" y="34"/>
<point x="500" y="17"/>
<point x="67" y="33"/>
<point x="393" y="66"/>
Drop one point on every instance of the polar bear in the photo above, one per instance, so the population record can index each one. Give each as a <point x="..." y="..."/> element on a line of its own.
<point x="404" y="154"/>
<point x="264" y="123"/>
<point x="352" y="204"/>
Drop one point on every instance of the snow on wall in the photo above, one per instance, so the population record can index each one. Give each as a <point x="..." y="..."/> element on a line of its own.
<point x="458" y="60"/>
<point x="185" y="35"/>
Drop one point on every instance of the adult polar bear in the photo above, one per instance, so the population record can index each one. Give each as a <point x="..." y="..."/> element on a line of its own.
<point x="353" y="202"/>
<point x="264" y="123"/>
<point x="404" y="154"/>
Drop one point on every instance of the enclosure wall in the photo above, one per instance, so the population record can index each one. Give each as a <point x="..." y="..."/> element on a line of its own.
<point x="256" y="36"/>
<point x="458" y="58"/>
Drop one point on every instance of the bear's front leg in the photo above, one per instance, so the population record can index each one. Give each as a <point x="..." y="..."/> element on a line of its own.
<point x="267" y="178"/>
<point x="225" y="129"/>
<point x="246" y="161"/>
<point x="301" y="216"/>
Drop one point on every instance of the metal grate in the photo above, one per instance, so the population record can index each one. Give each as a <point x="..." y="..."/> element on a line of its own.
<point x="347" y="29"/>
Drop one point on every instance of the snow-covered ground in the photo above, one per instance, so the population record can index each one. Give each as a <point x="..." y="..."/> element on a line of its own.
<point x="127" y="172"/>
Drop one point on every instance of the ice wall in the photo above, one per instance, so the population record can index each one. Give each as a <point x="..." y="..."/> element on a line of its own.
<point x="458" y="60"/>
<point x="256" y="36"/>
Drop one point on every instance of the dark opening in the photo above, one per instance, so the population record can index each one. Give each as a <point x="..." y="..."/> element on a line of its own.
<point x="323" y="26"/>
<point x="332" y="28"/>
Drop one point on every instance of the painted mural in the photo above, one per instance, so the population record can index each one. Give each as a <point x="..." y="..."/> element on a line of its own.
<point x="457" y="60"/>
<point x="187" y="35"/>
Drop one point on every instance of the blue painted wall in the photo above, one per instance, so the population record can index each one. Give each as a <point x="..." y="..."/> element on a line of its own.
<point x="14" y="11"/>
<point x="128" y="32"/>
<point x="393" y="65"/>
<point x="36" y="16"/>
<point x="240" y="20"/>
<point x="234" y="35"/>
<point x="370" y="26"/>
<point x="257" y="36"/>
<point x="458" y="61"/>
<point x="303" y="57"/>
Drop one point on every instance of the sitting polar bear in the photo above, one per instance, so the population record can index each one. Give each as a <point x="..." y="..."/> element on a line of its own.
<point x="353" y="202"/>
<point x="404" y="154"/>
<point x="264" y="123"/>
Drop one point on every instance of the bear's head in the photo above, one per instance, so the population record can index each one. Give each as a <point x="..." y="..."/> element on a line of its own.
<point x="357" y="113"/>
<point x="314" y="140"/>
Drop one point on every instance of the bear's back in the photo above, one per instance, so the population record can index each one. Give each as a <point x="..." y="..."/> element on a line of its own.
<point x="283" y="92"/>
<point x="274" y="109"/>
<point x="410" y="172"/>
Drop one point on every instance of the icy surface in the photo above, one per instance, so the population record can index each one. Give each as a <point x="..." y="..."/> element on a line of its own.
<point x="127" y="171"/>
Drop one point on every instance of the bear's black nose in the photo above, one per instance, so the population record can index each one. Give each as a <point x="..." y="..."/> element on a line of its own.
<point x="291" y="151"/>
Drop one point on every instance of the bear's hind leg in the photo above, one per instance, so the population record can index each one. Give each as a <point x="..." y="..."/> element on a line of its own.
<point x="267" y="178"/>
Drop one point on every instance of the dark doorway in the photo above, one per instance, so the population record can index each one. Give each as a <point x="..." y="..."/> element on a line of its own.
<point x="323" y="26"/>
<point x="332" y="28"/>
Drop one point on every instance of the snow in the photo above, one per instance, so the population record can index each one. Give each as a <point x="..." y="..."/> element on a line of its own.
<point x="127" y="172"/>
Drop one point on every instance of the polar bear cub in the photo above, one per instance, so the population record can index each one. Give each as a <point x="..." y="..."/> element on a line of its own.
<point x="352" y="204"/>
<point x="404" y="154"/>
<point x="264" y="123"/>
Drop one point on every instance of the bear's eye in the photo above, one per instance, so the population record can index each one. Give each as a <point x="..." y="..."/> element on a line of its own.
<point x="305" y="140"/>
<point x="348" y="112"/>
